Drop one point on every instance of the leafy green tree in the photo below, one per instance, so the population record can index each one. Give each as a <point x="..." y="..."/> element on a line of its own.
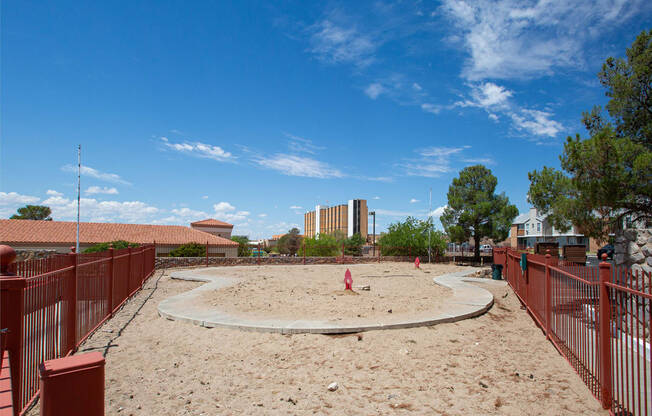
<point x="290" y="242"/>
<point x="117" y="245"/>
<point x="607" y="176"/>
<point x="189" y="250"/>
<point x="411" y="237"/>
<point x="353" y="245"/>
<point x="244" y="249"/>
<point x="33" y="212"/>
<point x="323" y="245"/>
<point x="474" y="209"/>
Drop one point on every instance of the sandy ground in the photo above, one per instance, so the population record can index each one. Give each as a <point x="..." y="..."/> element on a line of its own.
<point x="316" y="292"/>
<point x="498" y="363"/>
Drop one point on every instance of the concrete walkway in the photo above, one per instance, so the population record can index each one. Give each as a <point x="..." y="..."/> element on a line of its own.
<point x="467" y="301"/>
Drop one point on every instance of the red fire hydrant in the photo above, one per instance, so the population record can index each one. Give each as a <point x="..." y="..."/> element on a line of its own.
<point x="348" y="280"/>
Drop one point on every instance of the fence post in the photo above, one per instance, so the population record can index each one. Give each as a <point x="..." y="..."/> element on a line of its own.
<point x="303" y="243"/>
<point x="129" y="290"/>
<point x="258" y="255"/>
<point x="378" y="255"/>
<point x="12" y="311"/>
<point x="548" y="296"/>
<point x="206" y="253"/>
<point x="604" y="334"/>
<point x="111" y="278"/>
<point x="72" y="305"/>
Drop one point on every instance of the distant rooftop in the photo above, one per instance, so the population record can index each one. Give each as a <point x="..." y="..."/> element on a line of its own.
<point x="213" y="222"/>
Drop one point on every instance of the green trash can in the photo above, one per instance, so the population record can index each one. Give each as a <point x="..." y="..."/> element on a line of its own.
<point x="497" y="271"/>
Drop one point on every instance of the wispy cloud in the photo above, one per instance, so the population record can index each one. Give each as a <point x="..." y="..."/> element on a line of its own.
<point x="199" y="149"/>
<point x="293" y="165"/>
<point x="94" y="173"/>
<point x="487" y="95"/>
<point x="374" y="90"/>
<point x="302" y="145"/>
<point x="101" y="190"/>
<point x="413" y="201"/>
<point x="376" y="198"/>
<point x="509" y="39"/>
<point x="296" y="207"/>
<point x="434" y="161"/>
<point x="101" y="211"/>
<point x="340" y="43"/>
<point x="224" y="211"/>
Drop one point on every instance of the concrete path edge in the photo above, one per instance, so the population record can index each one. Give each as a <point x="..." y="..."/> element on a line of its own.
<point x="466" y="302"/>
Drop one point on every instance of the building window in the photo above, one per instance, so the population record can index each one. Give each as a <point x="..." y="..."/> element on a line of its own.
<point x="538" y="226"/>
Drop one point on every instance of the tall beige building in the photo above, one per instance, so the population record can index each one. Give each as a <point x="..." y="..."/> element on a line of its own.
<point x="348" y="218"/>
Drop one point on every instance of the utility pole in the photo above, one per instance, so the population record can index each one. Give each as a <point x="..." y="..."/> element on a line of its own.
<point x="78" y="193"/>
<point x="374" y="230"/>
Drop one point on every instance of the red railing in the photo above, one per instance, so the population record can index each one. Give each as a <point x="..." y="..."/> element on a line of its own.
<point x="598" y="318"/>
<point x="52" y="305"/>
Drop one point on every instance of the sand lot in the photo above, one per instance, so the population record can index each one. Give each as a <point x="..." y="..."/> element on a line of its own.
<point x="316" y="292"/>
<point x="498" y="363"/>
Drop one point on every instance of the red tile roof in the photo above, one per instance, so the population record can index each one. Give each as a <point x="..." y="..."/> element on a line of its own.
<point x="60" y="232"/>
<point x="212" y="222"/>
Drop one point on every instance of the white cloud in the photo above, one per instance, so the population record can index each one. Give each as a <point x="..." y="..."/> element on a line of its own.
<point x="204" y="197"/>
<point x="438" y="212"/>
<point x="435" y="161"/>
<point x="431" y="108"/>
<point x="487" y="95"/>
<point x="198" y="149"/>
<point x="376" y="198"/>
<point x="296" y="207"/>
<point x="521" y="39"/>
<point x="52" y="192"/>
<point x="262" y="215"/>
<point x="374" y="90"/>
<point x="493" y="117"/>
<point x="335" y="43"/>
<point x="292" y="165"/>
<point x="413" y="201"/>
<point x="536" y="122"/>
<point x="416" y="86"/>
<point x="11" y="201"/>
<point x="94" y="173"/>
<point x="227" y="212"/>
<point x="101" y="211"/>
<point x="101" y="190"/>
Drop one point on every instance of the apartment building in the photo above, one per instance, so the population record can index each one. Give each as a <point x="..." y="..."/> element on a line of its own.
<point x="530" y="228"/>
<point x="350" y="218"/>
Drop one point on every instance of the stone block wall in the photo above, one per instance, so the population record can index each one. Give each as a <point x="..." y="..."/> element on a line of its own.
<point x="33" y="254"/>
<point x="633" y="249"/>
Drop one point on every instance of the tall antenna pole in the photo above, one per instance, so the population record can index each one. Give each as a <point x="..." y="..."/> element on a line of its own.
<point x="78" y="193"/>
<point x="429" y="217"/>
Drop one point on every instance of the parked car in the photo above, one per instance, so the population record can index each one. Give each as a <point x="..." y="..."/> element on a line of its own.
<point x="608" y="249"/>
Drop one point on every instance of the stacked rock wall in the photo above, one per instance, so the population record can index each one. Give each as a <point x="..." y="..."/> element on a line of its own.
<point x="633" y="249"/>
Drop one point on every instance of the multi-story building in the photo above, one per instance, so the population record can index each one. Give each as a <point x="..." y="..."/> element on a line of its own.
<point x="351" y="218"/>
<point x="531" y="228"/>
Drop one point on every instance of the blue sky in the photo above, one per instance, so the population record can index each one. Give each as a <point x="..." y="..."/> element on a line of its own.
<point x="254" y="112"/>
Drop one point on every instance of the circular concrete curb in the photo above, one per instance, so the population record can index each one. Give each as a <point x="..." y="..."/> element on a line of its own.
<point x="467" y="301"/>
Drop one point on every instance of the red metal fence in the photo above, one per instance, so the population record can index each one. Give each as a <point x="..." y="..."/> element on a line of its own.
<point x="52" y="305"/>
<point x="598" y="318"/>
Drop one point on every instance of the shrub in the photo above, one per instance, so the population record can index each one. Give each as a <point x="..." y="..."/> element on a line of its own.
<point x="323" y="245"/>
<point x="117" y="244"/>
<point x="244" y="250"/>
<point x="411" y="237"/>
<point x="189" y="250"/>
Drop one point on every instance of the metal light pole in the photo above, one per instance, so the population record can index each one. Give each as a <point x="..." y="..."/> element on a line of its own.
<point x="373" y="213"/>
<point x="429" y="218"/>
<point x="78" y="193"/>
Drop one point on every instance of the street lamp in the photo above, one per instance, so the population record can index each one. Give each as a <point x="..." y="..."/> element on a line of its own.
<point x="374" y="230"/>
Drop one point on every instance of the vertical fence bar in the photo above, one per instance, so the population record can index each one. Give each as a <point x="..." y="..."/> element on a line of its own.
<point x="548" y="297"/>
<point x="605" y="334"/>
<point x="258" y="255"/>
<point x="206" y="253"/>
<point x="72" y="306"/>
<point x="111" y="277"/>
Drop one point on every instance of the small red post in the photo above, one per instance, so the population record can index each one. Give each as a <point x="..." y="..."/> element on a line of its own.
<point x="206" y="253"/>
<point x="604" y="334"/>
<point x="416" y="262"/>
<point x="548" y="297"/>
